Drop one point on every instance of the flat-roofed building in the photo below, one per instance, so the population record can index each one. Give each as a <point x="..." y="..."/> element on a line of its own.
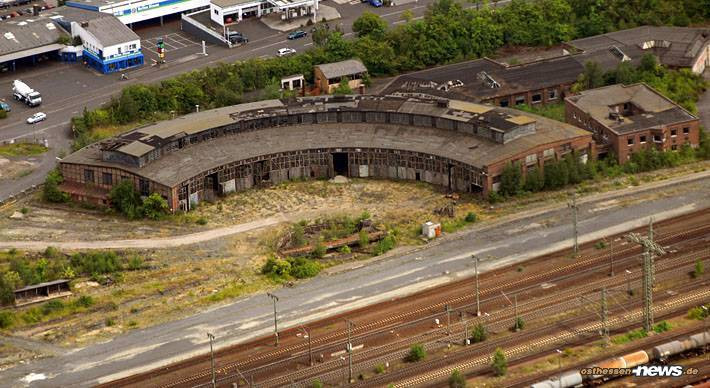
<point x="675" y="47"/>
<point x="228" y="12"/>
<point x="133" y="11"/>
<point x="459" y="145"/>
<point x="42" y="292"/>
<point x="628" y="119"/>
<point x="29" y="40"/>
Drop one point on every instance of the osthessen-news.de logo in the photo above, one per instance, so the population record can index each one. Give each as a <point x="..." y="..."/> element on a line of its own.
<point x="641" y="371"/>
<point x="662" y="371"/>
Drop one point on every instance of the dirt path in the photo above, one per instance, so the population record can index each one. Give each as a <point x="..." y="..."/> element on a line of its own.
<point x="193" y="238"/>
<point x="153" y="243"/>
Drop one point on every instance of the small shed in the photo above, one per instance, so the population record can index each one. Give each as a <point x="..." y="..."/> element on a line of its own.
<point x="42" y="292"/>
<point x="431" y="230"/>
<point x="296" y="81"/>
<point x="328" y="75"/>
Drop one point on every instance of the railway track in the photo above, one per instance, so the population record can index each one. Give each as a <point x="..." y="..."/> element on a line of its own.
<point x="497" y="321"/>
<point x="414" y="309"/>
<point x="478" y="358"/>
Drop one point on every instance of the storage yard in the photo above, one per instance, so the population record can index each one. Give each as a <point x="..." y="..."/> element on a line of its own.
<point x="547" y="299"/>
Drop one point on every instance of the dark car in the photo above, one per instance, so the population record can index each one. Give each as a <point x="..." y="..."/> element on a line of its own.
<point x="237" y="37"/>
<point x="297" y="35"/>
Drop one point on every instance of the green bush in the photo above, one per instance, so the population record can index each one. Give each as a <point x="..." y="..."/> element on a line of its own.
<point x="110" y="322"/>
<point x="384" y="245"/>
<point x="51" y="192"/>
<point x="499" y="363"/>
<point x="297" y="235"/>
<point x="698" y="313"/>
<point x="32" y="315"/>
<point x="471" y="217"/>
<point x="344" y="249"/>
<point x="84" y="301"/>
<point x="364" y="239"/>
<point x="302" y="268"/>
<point x="316" y="384"/>
<point x="319" y="250"/>
<point x="155" y="206"/>
<point x="662" y="326"/>
<point x="201" y="221"/>
<point x="7" y="319"/>
<point x="276" y="267"/>
<point x="135" y="263"/>
<point x="457" y="380"/>
<point x="416" y="353"/>
<point x="52" y="306"/>
<point x="380" y="368"/>
<point x="126" y="200"/>
<point x="518" y="324"/>
<point x="479" y="333"/>
<point x="699" y="269"/>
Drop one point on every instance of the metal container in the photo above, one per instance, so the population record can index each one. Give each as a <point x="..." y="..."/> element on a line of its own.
<point x="700" y="339"/>
<point x="661" y="352"/>
<point x="635" y="358"/>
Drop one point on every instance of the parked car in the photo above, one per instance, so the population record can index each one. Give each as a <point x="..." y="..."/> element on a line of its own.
<point x="285" y="51"/>
<point x="297" y="35"/>
<point x="5" y="106"/>
<point x="36" y="118"/>
<point x="237" y="37"/>
<point x="375" y="3"/>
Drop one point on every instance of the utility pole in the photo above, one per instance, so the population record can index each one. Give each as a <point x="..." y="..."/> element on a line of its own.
<point x="276" y="327"/>
<point x="307" y="332"/>
<point x="611" y="255"/>
<point x="515" y="307"/>
<point x="605" y="312"/>
<point x="649" y="246"/>
<point x="214" y="380"/>
<point x="573" y="205"/>
<point x="628" y="282"/>
<point x="478" y="298"/>
<point x="349" y="349"/>
<point x="559" y="367"/>
<point x="650" y="237"/>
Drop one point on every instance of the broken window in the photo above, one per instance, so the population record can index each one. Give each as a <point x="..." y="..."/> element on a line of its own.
<point x="552" y="94"/>
<point x="89" y="176"/>
<point x="107" y="178"/>
<point x="629" y="141"/>
<point x="537" y="97"/>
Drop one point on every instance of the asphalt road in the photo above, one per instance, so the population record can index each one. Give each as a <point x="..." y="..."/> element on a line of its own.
<point x="69" y="88"/>
<point x="505" y="243"/>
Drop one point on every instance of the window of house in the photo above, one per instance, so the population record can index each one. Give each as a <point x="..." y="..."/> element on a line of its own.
<point x="674" y="147"/>
<point x="216" y="12"/>
<point x="657" y="138"/>
<point x="674" y="132"/>
<point x="686" y="130"/>
<point x="107" y="178"/>
<point x="530" y="159"/>
<point x="504" y="102"/>
<point x="519" y="100"/>
<point x="642" y="139"/>
<point x="89" y="176"/>
<point x="629" y="141"/>
<point x="552" y="94"/>
<point x="537" y="97"/>
<point x="548" y="153"/>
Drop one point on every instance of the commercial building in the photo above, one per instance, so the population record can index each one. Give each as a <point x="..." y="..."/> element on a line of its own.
<point x="105" y="43"/>
<point x="675" y="47"/>
<point x="28" y="40"/>
<point x="455" y="144"/>
<point x="329" y="75"/>
<point x="227" y="12"/>
<point x="628" y="119"/>
<point x="130" y="11"/>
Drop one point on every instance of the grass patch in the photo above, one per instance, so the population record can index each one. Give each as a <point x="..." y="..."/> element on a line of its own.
<point x="630" y="336"/>
<point x="22" y="149"/>
<point x="551" y="111"/>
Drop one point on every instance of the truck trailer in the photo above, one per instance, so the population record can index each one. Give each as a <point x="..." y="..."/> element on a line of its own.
<point x="26" y="94"/>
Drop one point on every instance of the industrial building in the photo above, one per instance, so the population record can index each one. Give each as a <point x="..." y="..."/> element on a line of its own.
<point x="105" y="43"/>
<point x="226" y="12"/>
<point x="200" y="156"/>
<point x="130" y="11"/>
<point x="628" y="119"/>
<point x="675" y="47"/>
<point x="549" y="80"/>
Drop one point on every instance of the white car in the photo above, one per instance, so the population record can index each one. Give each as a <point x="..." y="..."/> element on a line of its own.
<point x="285" y="51"/>
<point x="36" y="118"/>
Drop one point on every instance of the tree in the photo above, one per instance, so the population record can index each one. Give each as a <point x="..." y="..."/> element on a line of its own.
<point x="297" y="235"/>
<point x="499" y="364"/>
<point x="511" y="179"/>
<point x="479" y="333"/>
<point x="370" y="24"/>
<point x="592" y="77"/>
<point x="126" y="199"/>
<point x="155" y="206"/>
<point x="51" y="191"/>
<point x="457" y="380"/>
<point x="343" y="87"/>
<point x="534" y="181"/>
<point x="416" y="353"/>
<point x="518" y="325"/>
<point x="319" y="250"/>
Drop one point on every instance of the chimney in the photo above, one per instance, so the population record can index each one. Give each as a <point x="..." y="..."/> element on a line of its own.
<point x="35" y="10"/>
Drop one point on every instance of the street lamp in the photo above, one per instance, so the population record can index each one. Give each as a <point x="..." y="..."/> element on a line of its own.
<point x="559" y="367"/>
<point x="214" y="381"/>
<point x="276" y="327"/>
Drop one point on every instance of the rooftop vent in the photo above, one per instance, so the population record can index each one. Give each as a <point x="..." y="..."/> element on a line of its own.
<point x="488" y="80"/>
